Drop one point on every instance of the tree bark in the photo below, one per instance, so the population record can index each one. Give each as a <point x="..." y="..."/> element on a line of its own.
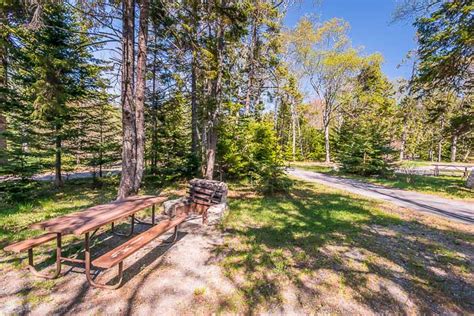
<point x="251" y="58"/>
<point x="140" y="93"/>
<point x="3" y="90"/>
<point x="58" y="181"/>
<point x="3" y="140"/>
<point x="440" y="150"/>
<point x="327" y="112"/>
<point x="211" y="153"/>
<point x="128" y="112"/>
<point x="194" y="106"/>
<point x="216" y="95"/>
<point x="293" y="131"/>
<point x="326" y="143"/>
<point x="440" y="142"/>
<point x="154" y="117"/>
<point x="101" y="150"/>
<point x="454" y="142"/>
<point x="403" y="142"/>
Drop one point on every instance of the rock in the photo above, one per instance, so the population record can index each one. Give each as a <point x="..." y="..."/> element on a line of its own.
<point x="215" y="213"/>
<point x="170" y="206"/>
<point x="470" y="180"/>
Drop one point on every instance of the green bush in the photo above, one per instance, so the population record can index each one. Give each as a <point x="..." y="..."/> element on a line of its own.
<point x="251" y="151"/>
<point x="365" y="137"/>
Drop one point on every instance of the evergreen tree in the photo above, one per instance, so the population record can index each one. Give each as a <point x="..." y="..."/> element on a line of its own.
<point x="366" y="133"/>
<point x="96" y="141"/>
<point x="60" y="73"/>
<point x="445" y="48"/>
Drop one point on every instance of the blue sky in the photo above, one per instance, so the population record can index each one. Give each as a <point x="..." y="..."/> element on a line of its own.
<point x="371" y="28"/>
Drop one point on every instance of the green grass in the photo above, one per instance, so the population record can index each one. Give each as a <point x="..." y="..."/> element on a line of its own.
<point x="25" y="203"/>
<point x="321" y="244"/>
<point x="422" y="163"/>
<point x="313" y="166"/>
<point x="275" y="244"/>
<point x="445" y="186"/>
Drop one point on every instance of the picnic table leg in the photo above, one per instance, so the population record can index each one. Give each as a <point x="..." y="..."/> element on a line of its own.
<point x="132" y="223"/>
<point x="87" y="254"/>
<point x="173" y="238"/>
<point x="35" y="272"/>
<point x="153" y="213"/>
<point x="138" y="221"/>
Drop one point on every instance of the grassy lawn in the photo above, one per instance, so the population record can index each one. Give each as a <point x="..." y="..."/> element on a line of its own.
<point x="422" y="163"/>
<point x="331" y="252"/>
<point x="445" y="186"/>
<point x="22" y="204"/>
<point x="313" y="250"/>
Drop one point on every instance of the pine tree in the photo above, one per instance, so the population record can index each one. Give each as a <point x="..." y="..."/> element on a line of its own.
<point x="54" y="69"/>
<point x="366" y="134"/>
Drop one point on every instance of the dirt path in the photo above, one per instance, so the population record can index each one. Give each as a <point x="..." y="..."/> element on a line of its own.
<point x="178" y="280"/>
<point x="455" y="210"/>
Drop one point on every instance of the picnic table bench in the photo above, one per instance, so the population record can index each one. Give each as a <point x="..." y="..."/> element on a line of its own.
<point x="464" y="168"/>
<point x="202" y="194"/>
<point x="87" y="222"/>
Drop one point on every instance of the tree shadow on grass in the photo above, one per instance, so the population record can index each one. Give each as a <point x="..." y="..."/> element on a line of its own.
<point x="102" y="243"/>
<point x="41" y="201"/>
<point x="387" y="264"/>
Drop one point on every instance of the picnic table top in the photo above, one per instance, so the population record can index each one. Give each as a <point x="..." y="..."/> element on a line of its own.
<point x="87" y="220"/>
<point x="453" y="166"/>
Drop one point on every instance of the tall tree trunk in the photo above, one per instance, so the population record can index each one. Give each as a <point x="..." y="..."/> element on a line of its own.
<point x="3" y="89"/>
<point x="195" y="148"/>
<point x="194" y="108"/>
<point x="404" y="140"/>
<point x="154" y="133"/>
<point x="440" y="142"/>
<point x="251" y="58"/>
<point x="328" y="109"/>
<point x="211" y="153"/>
<point x="454" y="143"/>
<point x="101" y="149"/>
<point x="300" y="137"/>
<point x="58" y="181"/>
<point x="440" y="150"/>
<point x="293" y="131"/>
<point x="326" y="143"/>
<point x="128" y="112"/>
<point x="216" y="93"/>
<point x="140" y="92"/>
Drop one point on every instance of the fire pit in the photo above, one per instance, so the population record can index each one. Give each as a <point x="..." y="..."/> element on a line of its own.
<point x="206" y="198"/>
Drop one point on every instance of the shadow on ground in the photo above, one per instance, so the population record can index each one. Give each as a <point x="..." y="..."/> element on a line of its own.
<point x="330" y="252"/>
<point x="312" y="251"/>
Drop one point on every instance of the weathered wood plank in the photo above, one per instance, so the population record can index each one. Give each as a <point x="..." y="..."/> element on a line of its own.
<point x="92" y="218"/>
<point x="30" y="243"/>
<point x="120" y="253"/>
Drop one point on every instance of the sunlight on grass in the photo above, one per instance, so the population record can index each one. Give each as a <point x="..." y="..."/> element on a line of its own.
<point x="23" y="204"/>
<point x="445" y="186"/>
<point x="335" y="244"/>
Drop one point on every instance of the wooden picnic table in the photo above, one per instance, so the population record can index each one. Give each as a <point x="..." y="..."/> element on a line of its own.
<point x="202" y="194"/>
<point x="95" y="217"/>
<point x="90" y="220"/>
<point x="464" y="168"/>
